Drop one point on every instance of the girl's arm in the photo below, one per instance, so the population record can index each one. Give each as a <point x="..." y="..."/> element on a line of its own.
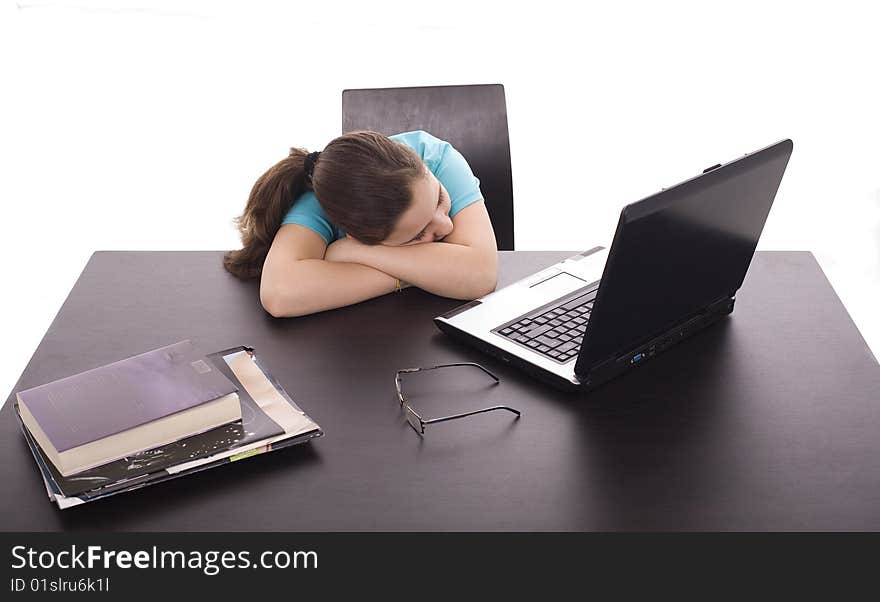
<point x="296" y="280"/>
<point x="463" y="266"/>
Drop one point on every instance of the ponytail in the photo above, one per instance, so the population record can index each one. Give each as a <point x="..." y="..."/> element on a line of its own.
<point x="271" y="198"/>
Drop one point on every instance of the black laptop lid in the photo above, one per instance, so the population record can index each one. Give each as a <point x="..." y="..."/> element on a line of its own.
<point x="678" y="251"/>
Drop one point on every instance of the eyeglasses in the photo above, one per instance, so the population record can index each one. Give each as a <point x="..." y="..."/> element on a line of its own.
<point x="416" y="421"/>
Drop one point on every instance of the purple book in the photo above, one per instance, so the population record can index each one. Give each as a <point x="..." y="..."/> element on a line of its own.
<point x="110" y="399"/>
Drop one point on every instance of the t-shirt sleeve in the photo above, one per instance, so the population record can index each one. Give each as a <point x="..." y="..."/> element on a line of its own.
<point x="307" y="212"/>
<point x="448" y="165"/>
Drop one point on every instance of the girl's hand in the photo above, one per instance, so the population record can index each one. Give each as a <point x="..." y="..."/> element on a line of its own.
<point x="345" y="250"/>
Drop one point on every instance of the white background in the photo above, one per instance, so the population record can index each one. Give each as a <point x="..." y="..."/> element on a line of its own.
<point x="143" y="125"/>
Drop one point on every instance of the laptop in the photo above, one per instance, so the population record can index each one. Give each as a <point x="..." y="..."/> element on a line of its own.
<point x="675" y="264"/>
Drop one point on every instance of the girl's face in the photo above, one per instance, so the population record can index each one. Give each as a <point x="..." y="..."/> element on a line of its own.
<point x="427" y="219"/>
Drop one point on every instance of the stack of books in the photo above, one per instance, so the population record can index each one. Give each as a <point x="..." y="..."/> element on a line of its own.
<point x="155" y="416"/>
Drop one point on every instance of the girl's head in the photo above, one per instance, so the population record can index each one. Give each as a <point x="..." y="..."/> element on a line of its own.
<point x="376" y="190"/>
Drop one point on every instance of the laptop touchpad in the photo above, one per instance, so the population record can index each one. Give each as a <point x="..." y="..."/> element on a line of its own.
<point x="559" y="284"/>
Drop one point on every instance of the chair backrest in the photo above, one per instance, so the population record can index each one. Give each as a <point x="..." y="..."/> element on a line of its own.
<point x="471" y="118"/>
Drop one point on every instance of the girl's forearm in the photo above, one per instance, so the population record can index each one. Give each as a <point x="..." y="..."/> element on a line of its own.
<point x="446" y="269"/>
<point x="314" y="285"/>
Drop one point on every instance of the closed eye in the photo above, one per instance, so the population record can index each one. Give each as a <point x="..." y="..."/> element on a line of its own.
<point x="424" y="231"/>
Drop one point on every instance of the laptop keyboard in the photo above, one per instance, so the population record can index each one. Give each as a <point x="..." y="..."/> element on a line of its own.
<point x="555" y="332"/>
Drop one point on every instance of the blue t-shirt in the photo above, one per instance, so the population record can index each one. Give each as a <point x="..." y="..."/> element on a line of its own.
<point x="439" y="156"/>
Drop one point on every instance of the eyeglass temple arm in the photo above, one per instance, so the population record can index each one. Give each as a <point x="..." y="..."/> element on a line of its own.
<point x="475" y="365"/>
<point x="454" y="416"/>
<point x="403" y="397"/>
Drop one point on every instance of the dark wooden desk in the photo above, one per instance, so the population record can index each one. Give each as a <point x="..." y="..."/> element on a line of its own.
<point x="768" y="421"/>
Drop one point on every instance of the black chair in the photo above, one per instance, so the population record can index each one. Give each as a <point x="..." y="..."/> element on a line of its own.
<point x="471" y="118"/>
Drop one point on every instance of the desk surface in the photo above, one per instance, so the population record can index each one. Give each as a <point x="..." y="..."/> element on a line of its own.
<point x="767" y="421"/>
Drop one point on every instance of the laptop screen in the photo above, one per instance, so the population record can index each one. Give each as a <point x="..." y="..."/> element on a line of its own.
<point x="680" y="250"/>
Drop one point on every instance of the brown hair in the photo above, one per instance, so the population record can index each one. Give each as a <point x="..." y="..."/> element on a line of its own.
<point x="362" y="181"/>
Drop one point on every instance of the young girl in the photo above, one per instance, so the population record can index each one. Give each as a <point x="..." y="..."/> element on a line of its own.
<point x="362" y="218"/>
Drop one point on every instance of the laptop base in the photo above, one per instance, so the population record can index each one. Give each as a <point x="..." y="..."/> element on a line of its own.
<point x="614" y="367"/>
<point x="610" y="369"/>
